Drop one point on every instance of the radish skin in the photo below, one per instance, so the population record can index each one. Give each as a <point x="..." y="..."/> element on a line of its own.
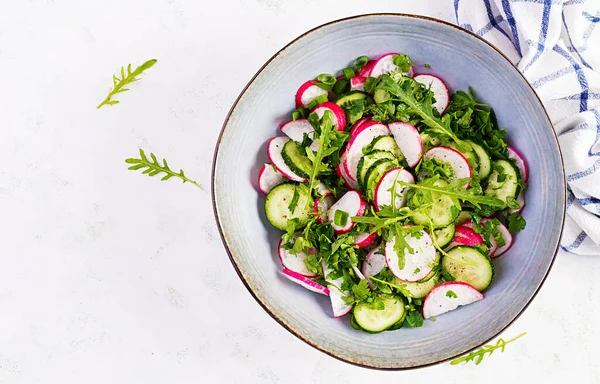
<point x="323" y="204"/>
<point x="358" y="83"/>
<point x="374" y="263"/>
<point x="494" y="245"/>
<point x="508" y="240"/>
<point x="356" y="125"/>
<point x="385" y="65"/>
<point x="366" y="70"/>
<point x="362" y="137"/>
<point x="294" y="263"/>
<point x="269" y="178"/>
<point x="339" y="116"/>
<point x="383" y="194"/>
<point x="439" y="89"/>
<point x="457" y="161"/>
<point x="442" y="298"/>
<point x="409" y="141"/>
<point x="307" y="93"/>
<point x="274" y="152"/>
<point x="363" y="240"/>
<point x="519" y="162"/>
<point x="341" y="171"/>
<point x="295" y="130"/>
<point x="305" y="282"/>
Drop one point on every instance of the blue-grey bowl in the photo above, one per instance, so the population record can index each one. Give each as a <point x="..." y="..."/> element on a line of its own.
<point x="461" y="59"/>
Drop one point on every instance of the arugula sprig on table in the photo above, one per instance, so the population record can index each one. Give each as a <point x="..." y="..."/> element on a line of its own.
<point x="152" y="167"/>
<point x="478" y="355"/>
<point x="126" y="78"/>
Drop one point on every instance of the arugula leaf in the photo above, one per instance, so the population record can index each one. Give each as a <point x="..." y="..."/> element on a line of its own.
<point x="433" y="167"/>
<point x="478" y="355"/>
<point x="153" y="168"/>
<point x="516" y="223"/>
<point x="120" y="83"/>
<point x="294" y="202"/>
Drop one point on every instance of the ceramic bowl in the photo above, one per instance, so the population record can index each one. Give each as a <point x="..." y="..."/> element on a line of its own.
<point x="462" y="60"/>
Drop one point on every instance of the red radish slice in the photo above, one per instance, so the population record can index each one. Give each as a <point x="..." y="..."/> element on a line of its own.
<point x="358" y="83"/>
<point x="307" y="93"/>
<point x="508" y="239"/>
<point x="383" y="191"/>
<point x="417" y="265"/>
<point x="521" y="201"/>
<point x="269" y="178"/>
<point x="465" y="235"/>
<point x="338" y="305"/>
<point x="305" y="282"/>
<point x="323" y="204"/>
<point x="519" y="162"/>
<point x="294" y="262"/>
<point x="494" y="246"/>
<point x="366" y="70"/>
<point x="374" y="263"/>
<point x="409" y="141"/>
<point x="295" y="130"/>
<point x="351" y="203"/>
<point x="322" y="190"/>
<point x="449" y="296"/>
<point x="356" y="125"/>
<point x="341" y="171"/>
<point x="457" y="161"/>
<point x="363" y="240"/>
<point x="439" y="89"/>
<point x="274" y="152"/>
<point x="385" y="64"/>
<point x="339" y="116"/>
<point x="362" y="137"/>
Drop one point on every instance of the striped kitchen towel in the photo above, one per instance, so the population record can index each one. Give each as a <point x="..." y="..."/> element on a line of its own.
<point x="556" y="44"/>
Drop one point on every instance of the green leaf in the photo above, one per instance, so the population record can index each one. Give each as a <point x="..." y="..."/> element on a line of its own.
<point x="516" y="223"/>
<point x="414" y="319"/>
<point x="294" y="202"/>
<point x="119" y="84"/>
<point x="360" y="62"/>
<point x="478" y="355"/>
<point x="153" y="168"/>
<point x="403" y="62"/>
<point x="451" y="294"/>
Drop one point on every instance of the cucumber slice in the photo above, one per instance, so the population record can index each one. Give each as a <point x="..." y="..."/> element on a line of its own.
<point x="381" y="96"/>
<point x="463" y="217"/>
<point x="503" y="182"/>
<point x="429" y="141"/>
<point x="387" y="143"/>
<point x="469" y="265"/>
<point x="420" y="289"/>
<point x="444" y="235"/>
<point x="277" y="206"/>
<point x="378" y="320"/>
<point x="434" y="264"/>
<point x="443" y="211"/>
<point x="298" y="162"/>
<point x="369" y="159"/>
<point x="471" y="156"/>
<point x="485" y="161"/>
<point x="348" y="98"/>
<point x="375" y="173"/>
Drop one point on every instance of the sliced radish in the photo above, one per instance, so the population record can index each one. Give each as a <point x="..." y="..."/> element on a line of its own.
<point x="465" y="235"/>
<point x="365" y="239"/>
<point x="307" y="93"/>
<point x="356" y="125"/>
<point x="274" y="152"/>
<point x="296" y="129"/>
<point x="409" y="141"/>
<point x="418" y="264"/>
<point x="294" y="263"/>
<point x="366" y="70"/>
<point x="341" y="171"/>
<point x="494" y="245"/>
<point x="323" y="204"/>
<point x="519" y="162"/>
<point x="358" y="83"/>
<point x="269" y="178"/>
<point x="304" y="281"/>
<point x="335" y="294"/>
<point x="457" y="161"/>
<point x="439" y="89"/>
<point x="508" y="239"/>
<point x="383" y="191"/>
<point x="449" y="296"/>
<point x="521" y="201"/>
<point x="339" y="116"/>
<point x="358" y="273"/>
<point x="362" y="137"/>
<point x="351" y="203"/>
<point x="385" y="65"/>
<point x="374" y="263"/>
<point x="322" y="189"/>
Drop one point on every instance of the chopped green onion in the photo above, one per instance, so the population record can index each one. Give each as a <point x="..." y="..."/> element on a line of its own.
<point x="316" y="101"/>
<point x="324" y="86"/>
<point x="349" y="73"/>
<point x="360" y="62"/>
<point x="340" y="218"/>
<point x="300" y="113"/>
<point x="427" y="65"/>
<point x="340" y="86"/>
<point x="326" y="78"/>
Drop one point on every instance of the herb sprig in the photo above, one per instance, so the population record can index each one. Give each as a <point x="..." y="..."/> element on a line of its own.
<point x="126" y="78"/>
<point x="153" y="168"/>
<point x="478" y="355"/>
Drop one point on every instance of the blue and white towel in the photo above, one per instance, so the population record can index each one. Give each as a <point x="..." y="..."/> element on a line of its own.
<point x="556" y="44"/>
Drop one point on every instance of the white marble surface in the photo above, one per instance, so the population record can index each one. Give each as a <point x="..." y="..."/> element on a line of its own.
<point x="108" y="276"/>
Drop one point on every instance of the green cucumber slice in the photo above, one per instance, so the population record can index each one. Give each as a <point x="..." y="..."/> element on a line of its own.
<point x="278" y="202"/>
<point x="378" y="320"/>
<point x="469" y="265"/>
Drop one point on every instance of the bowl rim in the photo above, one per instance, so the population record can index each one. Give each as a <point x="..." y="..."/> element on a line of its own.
<point x="239" y="272"/>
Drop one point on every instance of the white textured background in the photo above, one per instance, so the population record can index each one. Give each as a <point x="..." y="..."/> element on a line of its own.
<point x="108" y="276"/>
